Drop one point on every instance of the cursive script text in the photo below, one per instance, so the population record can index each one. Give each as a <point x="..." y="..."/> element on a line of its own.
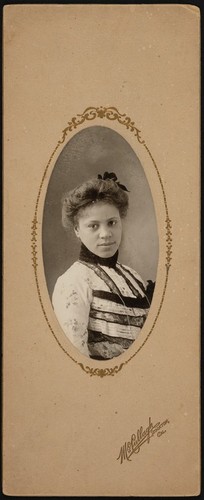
<point x="142" y="436"/>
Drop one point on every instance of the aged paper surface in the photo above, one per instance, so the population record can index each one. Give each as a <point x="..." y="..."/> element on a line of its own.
<point x="128" y="426"/>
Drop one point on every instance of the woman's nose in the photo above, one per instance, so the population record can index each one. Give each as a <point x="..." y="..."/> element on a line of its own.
<point x="105" y="232"/>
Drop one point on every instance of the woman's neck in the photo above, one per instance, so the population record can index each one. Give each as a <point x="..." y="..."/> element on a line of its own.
<point x="87" y="256"/>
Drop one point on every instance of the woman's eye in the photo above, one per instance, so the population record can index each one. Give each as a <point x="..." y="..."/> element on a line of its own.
<point x="112" y="222"/>
<point x="93" y="226"/>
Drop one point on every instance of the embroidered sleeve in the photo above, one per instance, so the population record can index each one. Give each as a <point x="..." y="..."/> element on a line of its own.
<point x="71" y="301"/>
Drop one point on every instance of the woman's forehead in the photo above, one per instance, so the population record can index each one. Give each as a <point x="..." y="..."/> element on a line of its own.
<point x="99" y="211"/>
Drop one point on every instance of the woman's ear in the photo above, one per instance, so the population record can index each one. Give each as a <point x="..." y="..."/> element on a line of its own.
<point x="76" y="230"/>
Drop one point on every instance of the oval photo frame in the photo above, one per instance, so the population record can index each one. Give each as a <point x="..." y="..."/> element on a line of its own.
<point x="48" y="210"/>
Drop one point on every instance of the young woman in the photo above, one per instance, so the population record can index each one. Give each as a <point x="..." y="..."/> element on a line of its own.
<point x="100" y="304"/>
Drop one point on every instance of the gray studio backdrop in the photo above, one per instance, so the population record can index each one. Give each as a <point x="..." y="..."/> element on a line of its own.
<point x="93" y="151"/>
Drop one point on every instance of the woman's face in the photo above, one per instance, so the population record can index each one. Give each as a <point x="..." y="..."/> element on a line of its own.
<point x="100" y="228"/>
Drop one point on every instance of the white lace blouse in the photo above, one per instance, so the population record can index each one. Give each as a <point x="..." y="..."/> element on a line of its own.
<point x="100" y="308"/>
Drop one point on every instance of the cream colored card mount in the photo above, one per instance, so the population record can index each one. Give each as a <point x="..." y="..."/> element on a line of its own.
<point x="110" y="93"/>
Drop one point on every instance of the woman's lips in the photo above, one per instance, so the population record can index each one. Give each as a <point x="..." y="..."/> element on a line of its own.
<point x="106" y="244"/>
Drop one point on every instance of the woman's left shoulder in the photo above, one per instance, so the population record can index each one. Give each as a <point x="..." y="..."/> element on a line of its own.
<point x="149" y="285"/>
<point x="132" y="272"/>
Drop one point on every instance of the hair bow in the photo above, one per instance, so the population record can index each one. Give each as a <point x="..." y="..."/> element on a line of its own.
<point x="112" y="176"/>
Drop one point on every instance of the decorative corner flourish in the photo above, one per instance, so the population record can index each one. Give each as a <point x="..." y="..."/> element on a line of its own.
<point x="111" y="113"/>
<point x="101" y="372"/>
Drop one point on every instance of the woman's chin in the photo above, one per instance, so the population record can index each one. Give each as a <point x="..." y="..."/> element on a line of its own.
<point x="106" y="250"/>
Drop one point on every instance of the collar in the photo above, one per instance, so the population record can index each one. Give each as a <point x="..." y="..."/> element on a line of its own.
<point x="87" y="256"/>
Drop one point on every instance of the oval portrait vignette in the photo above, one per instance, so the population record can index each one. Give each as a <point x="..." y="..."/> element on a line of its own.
<point x="100" y="247"/>
<point x="101" y="298"/>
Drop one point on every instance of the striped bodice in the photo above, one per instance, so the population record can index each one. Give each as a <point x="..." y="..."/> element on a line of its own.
<point x="118" y="310"/>
<point x="101" y="308"/>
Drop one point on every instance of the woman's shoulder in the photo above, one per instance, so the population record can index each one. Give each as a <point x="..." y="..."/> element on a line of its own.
<point x="149" y="285"/>
<point x="77" y="276"/>
<point x="132" y="272"/>
<point x="74" y="282"/>
<point x="76" y="271"/>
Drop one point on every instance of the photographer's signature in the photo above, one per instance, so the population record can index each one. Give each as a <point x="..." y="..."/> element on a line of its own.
<point x="142" y="436"/>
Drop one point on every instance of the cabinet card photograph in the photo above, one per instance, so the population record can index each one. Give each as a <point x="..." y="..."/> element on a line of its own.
<point x="101" y="309"/>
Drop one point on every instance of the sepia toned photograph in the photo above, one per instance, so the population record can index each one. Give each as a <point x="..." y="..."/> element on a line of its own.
<point x="100" y="243"/>
<point x="101" y="337"/>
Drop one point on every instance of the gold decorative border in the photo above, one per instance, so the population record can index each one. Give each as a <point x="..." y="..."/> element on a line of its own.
<point x="111" y="113"/>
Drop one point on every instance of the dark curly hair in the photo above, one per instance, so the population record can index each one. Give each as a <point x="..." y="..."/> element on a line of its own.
<point x="91" y="191"/>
